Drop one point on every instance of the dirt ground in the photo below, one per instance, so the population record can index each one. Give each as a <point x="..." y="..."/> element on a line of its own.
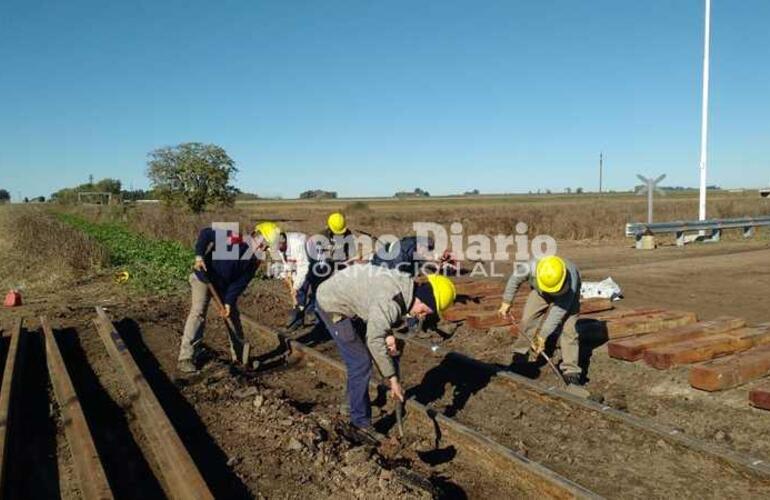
<point x="724" y="279"/>
<point x="280" y="434"/>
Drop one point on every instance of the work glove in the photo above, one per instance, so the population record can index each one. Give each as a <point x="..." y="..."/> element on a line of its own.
<point x="505" y="308"/>
<point x="200" y="264"/>
<point x="538" y="345"/>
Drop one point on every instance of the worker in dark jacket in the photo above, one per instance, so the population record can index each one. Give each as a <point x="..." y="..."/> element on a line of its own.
<point x="329" y="252"/>
<point x="406" y="255"/>
<point x="230" y="274"/>
<point x="341" y="247"/>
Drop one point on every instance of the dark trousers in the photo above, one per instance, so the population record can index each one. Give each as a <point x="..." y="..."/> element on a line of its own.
<point x="318" y="273"/>
<point x="349" y="334"/>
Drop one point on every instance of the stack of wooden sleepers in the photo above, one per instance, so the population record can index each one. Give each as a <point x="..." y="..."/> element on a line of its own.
<point x="724" y="352"/>
<point x="477" y="303"/>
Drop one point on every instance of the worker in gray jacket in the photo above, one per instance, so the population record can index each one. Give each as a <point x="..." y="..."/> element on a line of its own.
<point x="551" y="309"/>
<point x="359" y="306"/>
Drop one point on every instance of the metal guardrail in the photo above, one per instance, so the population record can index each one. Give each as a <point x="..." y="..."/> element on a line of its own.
<point x="714" y="226"/>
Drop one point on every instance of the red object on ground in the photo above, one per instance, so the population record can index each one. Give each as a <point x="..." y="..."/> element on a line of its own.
<point x="759" y="397"/>
<point x="12" y="299"/>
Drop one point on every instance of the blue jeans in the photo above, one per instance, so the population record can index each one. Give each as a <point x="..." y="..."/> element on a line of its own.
<point x="349" y="334"/>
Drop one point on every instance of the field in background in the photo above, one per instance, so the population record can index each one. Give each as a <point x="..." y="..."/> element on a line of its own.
<point x="565" y="217"/>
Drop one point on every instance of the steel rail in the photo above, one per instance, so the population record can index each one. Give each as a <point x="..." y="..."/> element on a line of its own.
<point x="733" y="458"/>
<point x="536" y="476"/>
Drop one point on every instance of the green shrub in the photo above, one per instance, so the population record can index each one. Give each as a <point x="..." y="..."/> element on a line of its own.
<point x="157" y="265"/>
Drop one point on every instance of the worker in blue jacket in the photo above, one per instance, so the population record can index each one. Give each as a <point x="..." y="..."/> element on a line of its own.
<point x="406" y="255"/>
<point x="229" y="269"/>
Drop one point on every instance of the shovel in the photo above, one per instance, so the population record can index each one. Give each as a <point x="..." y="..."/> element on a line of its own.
<point x="572" y="389"/>
<point x="246" y="347"/>
<point x="399" y="404"/>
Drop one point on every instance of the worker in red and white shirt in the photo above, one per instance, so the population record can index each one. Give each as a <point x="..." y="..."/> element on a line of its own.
<point x="291" y="253"/>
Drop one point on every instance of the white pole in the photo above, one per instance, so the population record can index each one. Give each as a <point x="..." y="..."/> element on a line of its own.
<point x="704" y="114"/>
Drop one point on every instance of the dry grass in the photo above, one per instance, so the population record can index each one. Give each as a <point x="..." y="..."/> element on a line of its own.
<point x="39" y="254"/>
<point x="56" y="243"/>
<point x="565" y="217"/>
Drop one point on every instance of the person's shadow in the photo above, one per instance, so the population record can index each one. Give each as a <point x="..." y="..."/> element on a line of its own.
<point x="203" y="448"/>
<point x="592" y="334"/>
<point x="450" y="375"/>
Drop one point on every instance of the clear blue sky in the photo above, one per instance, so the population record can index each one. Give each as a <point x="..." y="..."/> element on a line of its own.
<point x="370" y="97"/>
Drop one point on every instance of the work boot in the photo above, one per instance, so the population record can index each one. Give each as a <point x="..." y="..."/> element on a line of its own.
<point x="361" y="435"/>
<point x="186" y="366"/>
<point x="573" y="379"/>
<point x="519" y="359"/>
<point x="296" y="318"/>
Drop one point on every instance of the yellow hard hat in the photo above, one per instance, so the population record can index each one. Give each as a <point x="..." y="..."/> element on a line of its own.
<point x="336" y="223"/>
<point x="444" y="292"/>
<point x="551" y="272"/>
<point x="270" y="231"/>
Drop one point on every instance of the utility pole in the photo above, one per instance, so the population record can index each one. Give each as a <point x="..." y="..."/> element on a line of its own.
<point x="704" y="114"/>
<point x="601" y="167"/>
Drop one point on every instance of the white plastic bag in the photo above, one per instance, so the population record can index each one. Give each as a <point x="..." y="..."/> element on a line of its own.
<point x="605" y="289"/>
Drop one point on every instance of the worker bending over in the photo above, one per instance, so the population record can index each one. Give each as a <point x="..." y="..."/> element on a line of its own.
<point x="414" y="255"/>
<point x="341" y="248"/>
<point x="326" y="254"/>
<point x="359" y="306"/>
<point x="552" y="308"/>
<point x="229" y="276"/>
<point x="292" y="252"/>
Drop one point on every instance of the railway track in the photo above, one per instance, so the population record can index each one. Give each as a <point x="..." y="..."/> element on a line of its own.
<point x="580" y="442"/>
<point x="750" y="464"/>
<point x="535" y="479"/>
<point x="177" y="473"/>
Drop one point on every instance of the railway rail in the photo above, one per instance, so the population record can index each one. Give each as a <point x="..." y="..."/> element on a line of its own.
<point x="675" y="436"/>
<point x="536" y="477"/>
<point x="178" y="473"/>
<point x="667" y="459"/>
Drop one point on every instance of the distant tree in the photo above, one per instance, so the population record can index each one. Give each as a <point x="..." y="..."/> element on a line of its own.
<point x="317" y="194"/>
<point x="26" y="200"/>
<point x="418" y="192"/>
<point x="193" y="173"/>
<point x="547" y="191"/>
<point x="108" y="186"/>
<point x="568" y="190"/>
<point x="579" y="190"/>
<point x="5" y="196"/>
<point x="70" y="195"/>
